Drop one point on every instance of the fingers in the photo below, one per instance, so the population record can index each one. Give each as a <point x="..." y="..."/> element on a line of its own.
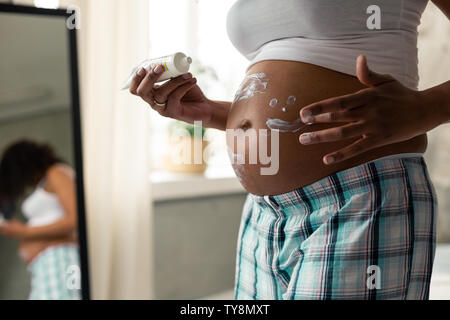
<point x="334" y="134"/>
<point x="347" y="102"/>
<point x="369" y="77"/>
<point x="180" y="92"/>
<point x="140" y="74"/>
<point x="338" y="104"/>
<point x="162" y="93"/>
<point x="145" y="87"/>
<point x="351" y="115"/>
<point x="356" y="148"/>
<point x="174" y="106"/>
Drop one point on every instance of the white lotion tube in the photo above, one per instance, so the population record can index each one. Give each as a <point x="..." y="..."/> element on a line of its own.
<point x="174" y="65"/>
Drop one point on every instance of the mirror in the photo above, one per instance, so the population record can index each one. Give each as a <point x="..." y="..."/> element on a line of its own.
<point x="42" y="222"/>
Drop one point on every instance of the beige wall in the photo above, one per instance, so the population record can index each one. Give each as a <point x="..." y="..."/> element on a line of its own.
<point x="434" y="66"/>
<point x="52" y="128"/>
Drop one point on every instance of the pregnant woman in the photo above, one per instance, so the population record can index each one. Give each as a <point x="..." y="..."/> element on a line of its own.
<point x="48" y="242"/>
<point x="350" y="213"/>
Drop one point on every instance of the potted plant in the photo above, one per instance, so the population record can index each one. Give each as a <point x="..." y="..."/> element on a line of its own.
<point x="187" y="147"/>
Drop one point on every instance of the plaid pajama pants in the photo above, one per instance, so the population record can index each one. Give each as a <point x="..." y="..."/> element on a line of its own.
<point x="50" y="272"/>
<point x="363" y="233"/>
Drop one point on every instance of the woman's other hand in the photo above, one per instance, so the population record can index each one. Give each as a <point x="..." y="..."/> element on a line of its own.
<point x="385" y="113"/>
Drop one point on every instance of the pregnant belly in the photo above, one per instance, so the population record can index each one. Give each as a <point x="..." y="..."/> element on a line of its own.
<point x="30" y="249"/>
<point x="263" y="127"/>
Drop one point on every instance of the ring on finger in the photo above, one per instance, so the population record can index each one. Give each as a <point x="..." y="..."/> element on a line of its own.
<point x="160" y="105"/>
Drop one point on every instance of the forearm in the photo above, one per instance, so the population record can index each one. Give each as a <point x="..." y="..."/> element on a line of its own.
<point x="56" y="230"/>
<point x="437" y="103"/>
<point x="220" y="115"/>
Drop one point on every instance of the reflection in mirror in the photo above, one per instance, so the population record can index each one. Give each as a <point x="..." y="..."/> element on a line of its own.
<point x="39" y="254"/>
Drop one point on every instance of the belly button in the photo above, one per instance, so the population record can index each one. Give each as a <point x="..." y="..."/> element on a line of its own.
<point x="245" y="125"/>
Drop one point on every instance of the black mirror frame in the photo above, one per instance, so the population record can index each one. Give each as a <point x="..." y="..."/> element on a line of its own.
<point x="77" y="133"/>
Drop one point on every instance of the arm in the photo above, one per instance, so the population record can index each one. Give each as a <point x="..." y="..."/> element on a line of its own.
<point x="220" y="115"/>
<point x="63" y="186"/>
<point x="385" y="113"/>
<point x="440" y="95"/>
<point x="437" y="102"/>
<point x="444" y="5"/>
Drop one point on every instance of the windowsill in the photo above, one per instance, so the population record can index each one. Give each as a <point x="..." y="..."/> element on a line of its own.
<point x="173" y="186"/>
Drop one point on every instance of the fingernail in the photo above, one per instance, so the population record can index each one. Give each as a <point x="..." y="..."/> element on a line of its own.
<point x="187" y="76"/>
<point x="141" y="72"/>
<point x="158" y="69"/>
<point x="307" y="116"/>
<point x="329" y="160"/>
<point x="305" y="138"/>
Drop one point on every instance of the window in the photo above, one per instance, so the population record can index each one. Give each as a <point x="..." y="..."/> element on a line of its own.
<point x="197" y="28"/>
<point x="49" y="4"/>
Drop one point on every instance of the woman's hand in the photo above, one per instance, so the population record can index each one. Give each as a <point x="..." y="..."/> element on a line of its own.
<point x="179" y="98"/>
<point x="385" y="113"/>
<point x="27" y="251"/>
<point x="14" y="229"/>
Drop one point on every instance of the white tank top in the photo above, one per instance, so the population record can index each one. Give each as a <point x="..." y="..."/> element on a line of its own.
<point x="331" y="33"/>
<point x="42" y="208"/>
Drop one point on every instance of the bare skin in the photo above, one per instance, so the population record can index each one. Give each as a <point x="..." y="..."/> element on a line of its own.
<point x="30" y="249"/>
<point x="300" y="165"/>
<point x="34" y="240"/>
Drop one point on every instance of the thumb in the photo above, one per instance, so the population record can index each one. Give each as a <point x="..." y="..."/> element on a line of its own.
<point x="367" y="76"/>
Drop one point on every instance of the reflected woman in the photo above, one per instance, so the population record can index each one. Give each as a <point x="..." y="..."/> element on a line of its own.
<point x="48" y="242"/>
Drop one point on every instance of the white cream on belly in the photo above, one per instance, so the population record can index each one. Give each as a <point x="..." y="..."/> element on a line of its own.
<point x="257" y="84"/>
<point x="252" y="85"/>
<point x="238" y="161"/>
<point x="273" y="103"/>
<point x="291" y="100"/>
<point x="285" y="126"/>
